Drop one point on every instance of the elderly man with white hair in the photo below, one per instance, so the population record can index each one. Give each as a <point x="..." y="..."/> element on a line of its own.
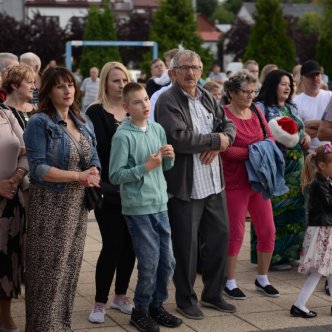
<point x="33" y="60"/>
<point x="6" y="60"/>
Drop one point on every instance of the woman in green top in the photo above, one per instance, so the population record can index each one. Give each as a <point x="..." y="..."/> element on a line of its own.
<point x="274" y="99"/>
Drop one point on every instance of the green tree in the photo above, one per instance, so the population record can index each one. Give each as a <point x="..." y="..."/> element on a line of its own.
<point x="268" y="41"/>
<point x="324" y="47"/>
<point x="223" y="15"/>
<point x="99" y="26"/>
<point x="108" y="33"/>
<point x="310" y="23"/>
<point x="90" y="54"/>
<point x="174" y="24"/>
<point x="207" y="7"/>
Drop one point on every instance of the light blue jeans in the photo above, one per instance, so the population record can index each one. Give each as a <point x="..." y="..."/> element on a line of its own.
<point x="151" y="237"/>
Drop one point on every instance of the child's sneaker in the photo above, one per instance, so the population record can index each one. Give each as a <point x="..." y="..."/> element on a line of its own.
<point x="97" y="314"/>
<point x="123" y="304"/>
<point x="164" y="318"/>
<point x="143" y="321"/>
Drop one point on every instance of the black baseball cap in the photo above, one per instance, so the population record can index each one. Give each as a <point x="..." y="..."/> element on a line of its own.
<point x="310" y="67"/>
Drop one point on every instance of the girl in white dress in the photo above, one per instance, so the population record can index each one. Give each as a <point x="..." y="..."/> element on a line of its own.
<point x="316" y="255"/>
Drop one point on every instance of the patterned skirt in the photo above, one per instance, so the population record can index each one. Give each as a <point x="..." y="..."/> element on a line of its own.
<point x="55" y="244"/>
<point x="12" y="214"/>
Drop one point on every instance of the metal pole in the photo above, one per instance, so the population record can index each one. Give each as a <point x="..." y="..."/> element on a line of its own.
<point x="68" y="55"/>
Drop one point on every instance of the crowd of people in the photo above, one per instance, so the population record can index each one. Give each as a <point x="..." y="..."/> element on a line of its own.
<point x="179" y="177"/>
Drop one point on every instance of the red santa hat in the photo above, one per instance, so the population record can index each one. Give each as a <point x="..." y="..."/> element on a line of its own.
<point x="285" y="131"/>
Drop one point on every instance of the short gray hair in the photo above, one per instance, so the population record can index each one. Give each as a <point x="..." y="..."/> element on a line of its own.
<point x="233" y="84"/>
<point x="31" y="59"/>
<point x="5" y="56"/>
<point x="186" y="54"/>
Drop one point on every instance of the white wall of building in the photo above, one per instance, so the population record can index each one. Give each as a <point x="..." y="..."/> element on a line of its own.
<point x="14" y="8"/>
<point x="63" y="14"/>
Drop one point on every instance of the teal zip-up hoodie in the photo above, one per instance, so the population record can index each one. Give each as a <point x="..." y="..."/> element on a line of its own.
<point x="142" y="191"/>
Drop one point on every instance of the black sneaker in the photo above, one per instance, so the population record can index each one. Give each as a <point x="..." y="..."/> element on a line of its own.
<point x="164" y="318"/>
<point x="268" y="290"/>
<point x="235" y="293"/>
<point x="326" y="287"/>
<point x="143" y="321"/>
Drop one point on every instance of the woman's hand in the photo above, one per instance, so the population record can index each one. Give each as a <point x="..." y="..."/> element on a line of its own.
<point x="305" y="142"/>
<point x="8" y="188"/>
<point x="89" y="177"/>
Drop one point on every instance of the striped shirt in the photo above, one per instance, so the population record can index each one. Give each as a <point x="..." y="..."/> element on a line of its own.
<point x="90" y="90"/>
<point x="206" y="178"/>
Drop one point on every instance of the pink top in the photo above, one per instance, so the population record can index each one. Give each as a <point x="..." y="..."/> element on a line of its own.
<point x="12" y="148"/>
<point x="248" y="131"/>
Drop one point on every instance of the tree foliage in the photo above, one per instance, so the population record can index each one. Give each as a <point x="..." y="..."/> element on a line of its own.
<point x="136" y="28"/>
<point x="324" y="47"/>
<point x="207" y="7"/>
<point x="47" y="38"/>
<point x="41" y="35"/>
<point x="304" y="37"/>
<point x="174" y="24"/>
<point x="223" y="15"/>
<point x="75" y="31"/>
<point x="99" y="26"/>
<point x="268" y="41"/>
<point x="236" y="39"/>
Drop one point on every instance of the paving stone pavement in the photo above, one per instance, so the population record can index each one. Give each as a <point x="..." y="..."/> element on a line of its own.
<point x="256" y="313"/>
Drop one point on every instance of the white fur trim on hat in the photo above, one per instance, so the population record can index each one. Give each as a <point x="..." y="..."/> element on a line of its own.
<point x="282" y="136"/>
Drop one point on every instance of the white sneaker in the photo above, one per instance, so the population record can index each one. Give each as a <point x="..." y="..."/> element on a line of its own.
<point x="97" y="314"/>
<point x="123" y="304"/>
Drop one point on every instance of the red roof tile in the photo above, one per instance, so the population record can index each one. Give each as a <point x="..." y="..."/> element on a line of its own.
<point x="206" y="30"/>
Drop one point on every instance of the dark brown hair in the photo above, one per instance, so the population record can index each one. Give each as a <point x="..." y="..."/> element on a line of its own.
<point x="51" y="78"/>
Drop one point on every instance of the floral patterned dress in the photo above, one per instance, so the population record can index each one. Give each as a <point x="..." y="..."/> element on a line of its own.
<point x="316" y="251"/>
<point x="288" y="209"/>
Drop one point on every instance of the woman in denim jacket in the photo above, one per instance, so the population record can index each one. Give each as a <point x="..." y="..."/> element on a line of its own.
<point x="288" y="210"/>
<point x="57" y="212"/>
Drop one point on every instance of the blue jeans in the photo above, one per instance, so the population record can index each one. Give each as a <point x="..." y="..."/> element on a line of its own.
<point x="151" y="237"/>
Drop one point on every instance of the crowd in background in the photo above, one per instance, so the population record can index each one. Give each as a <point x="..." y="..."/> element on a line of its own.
<point x="179" y="179"/>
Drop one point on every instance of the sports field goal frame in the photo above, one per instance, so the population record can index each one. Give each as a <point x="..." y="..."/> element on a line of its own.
<point x="77" y="43"/>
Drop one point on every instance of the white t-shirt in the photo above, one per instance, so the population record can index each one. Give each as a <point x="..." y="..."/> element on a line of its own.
<point x="312" y="108"/>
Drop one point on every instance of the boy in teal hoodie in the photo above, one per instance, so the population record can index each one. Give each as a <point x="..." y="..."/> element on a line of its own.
<point x="139" y="155"/>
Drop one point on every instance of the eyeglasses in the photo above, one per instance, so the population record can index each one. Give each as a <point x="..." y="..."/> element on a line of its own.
<point x="249" y="92"/>
<point x="186" y="68"/>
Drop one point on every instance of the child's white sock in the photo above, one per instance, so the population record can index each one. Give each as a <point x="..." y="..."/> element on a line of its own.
<point x="307" y="290"/>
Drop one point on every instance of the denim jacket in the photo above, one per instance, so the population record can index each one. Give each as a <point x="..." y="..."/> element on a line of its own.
<point x="47" y="146"/>
<point x="266" y="167"/>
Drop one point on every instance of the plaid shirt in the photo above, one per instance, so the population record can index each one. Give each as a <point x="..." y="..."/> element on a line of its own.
<point x="206" y="179"/>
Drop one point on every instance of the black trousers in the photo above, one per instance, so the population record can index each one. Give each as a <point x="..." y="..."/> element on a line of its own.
<point x="117" y="252"/>
<point x="207" y="217"/>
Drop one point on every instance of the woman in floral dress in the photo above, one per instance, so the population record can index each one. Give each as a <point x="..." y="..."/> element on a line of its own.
<point x="274" y="99"/>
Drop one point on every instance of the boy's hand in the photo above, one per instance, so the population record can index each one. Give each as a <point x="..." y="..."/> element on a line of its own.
<point x="167" y="151"/>
<point x="153" y="162"/>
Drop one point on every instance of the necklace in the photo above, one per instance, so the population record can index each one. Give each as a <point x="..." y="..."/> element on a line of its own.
<point x="23" y="117"/>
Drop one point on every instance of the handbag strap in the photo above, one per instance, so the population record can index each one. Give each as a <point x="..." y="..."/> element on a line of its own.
<point x="255" y="110"/>
<point x="76" y="143"/>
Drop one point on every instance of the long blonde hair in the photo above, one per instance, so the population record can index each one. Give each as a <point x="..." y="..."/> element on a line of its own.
<point x="322" y="154"/>
<point x="102" y="93"/>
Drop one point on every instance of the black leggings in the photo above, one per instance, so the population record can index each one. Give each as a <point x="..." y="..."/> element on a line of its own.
<point x="117" y="253"/>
